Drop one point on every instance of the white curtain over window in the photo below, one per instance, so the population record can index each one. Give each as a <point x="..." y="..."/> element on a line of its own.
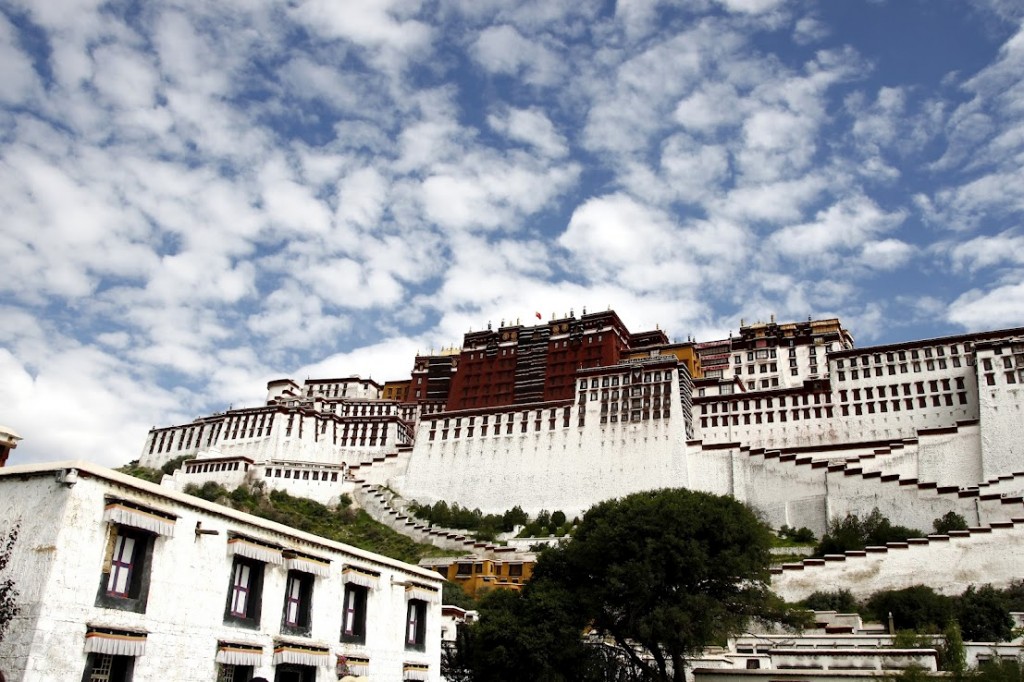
<point x="150" y="520"/>
<point x="239" y="654"/>
<point x="422" y="593"/>
<point x="358" y="667"/>
<point x="115" y="642"/>
<point x="413" y="671"/>
<point x="360" y="577"/>
<point x="308" y="564"/>
<point x="301" y="655"/>
<point x="253" y="549"/>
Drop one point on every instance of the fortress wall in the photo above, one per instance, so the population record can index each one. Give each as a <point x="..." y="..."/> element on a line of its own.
<point x="1001" y="404"/>
<point x="782" y="493"/>
<point x="786" y="493"/>
<point x="948" y="565"/>
<point x="950" y="457"/>
<point x="903" y="504"/>
<point x="901" y="459"/>
<point x="561" y="467"/>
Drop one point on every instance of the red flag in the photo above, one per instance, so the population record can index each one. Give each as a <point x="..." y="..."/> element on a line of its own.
<point x="539" y="317"/>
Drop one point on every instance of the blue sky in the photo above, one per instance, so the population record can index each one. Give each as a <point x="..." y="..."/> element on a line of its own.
<point x="201" y="196"/>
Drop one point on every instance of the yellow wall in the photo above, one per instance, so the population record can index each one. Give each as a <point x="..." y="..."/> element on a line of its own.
<point x="485" y="574"/>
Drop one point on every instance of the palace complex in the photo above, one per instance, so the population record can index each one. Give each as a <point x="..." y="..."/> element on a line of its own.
<point x="791" y="418"/>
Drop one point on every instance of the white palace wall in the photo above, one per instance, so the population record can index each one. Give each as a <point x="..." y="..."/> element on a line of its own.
<point x="568" y="468"/>
<point x="1001" y="402"/>
<point x="546" y="457"/>
<point x="949" y="564"/>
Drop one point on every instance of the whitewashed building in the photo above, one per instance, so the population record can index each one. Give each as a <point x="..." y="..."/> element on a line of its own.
<point x="119" y="579"/>
<point x="790" y="418"/>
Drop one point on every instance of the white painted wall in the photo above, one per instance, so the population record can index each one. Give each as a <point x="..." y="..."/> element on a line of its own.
<point x="948" y="565"/>
<point x="58" y="561"/>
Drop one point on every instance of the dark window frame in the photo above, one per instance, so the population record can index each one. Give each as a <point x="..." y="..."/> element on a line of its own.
<point x="416" y="625"/>
<point x="298" y="591"/>
<point x="353" y="613"/>
<point x="254" y="594"/>
<point x="138" y="567"/>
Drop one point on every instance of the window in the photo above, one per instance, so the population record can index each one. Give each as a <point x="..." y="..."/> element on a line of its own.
<point x="353" y="624"/>
<point x="124" y="583"/>
<point x="234" y="673"/>
<point x="416" y="625"/>
<point x="298" y="602"/>
<point x="245" y="593"/>
<point x="108" y="668"/>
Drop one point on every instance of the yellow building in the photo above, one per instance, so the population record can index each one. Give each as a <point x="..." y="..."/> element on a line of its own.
<point x="396" y="390"/>
<point x="475" y="574"/>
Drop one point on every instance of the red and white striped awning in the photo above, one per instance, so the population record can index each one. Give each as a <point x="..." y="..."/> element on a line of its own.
<point x="100" y="640"/>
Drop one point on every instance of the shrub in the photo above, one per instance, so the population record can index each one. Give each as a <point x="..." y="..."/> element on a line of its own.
<point x="917" y="608"/>
<point x="950" y="521"/>
<point x="839" y="600"/>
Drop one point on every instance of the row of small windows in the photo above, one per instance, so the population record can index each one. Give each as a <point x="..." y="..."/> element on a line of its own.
<point x="767" y="417"/>
<point x="929" y="365"/>
<point x="484" y="427"/>
<point x="937" y="400"/>
<point x="125" y="586"/>
<point x="206" y="467"/>
<point x="918" y="387"/>
<point x="769" y="403"/>
<point x="615" y="379"/>
<point x="902" y="356"/>
<point x="763" y="368"/>
<point x="329" y="390"/>
<point x="1010" y="376"/>
<point x="362" y="409"/>
<point x="307" y="475"/>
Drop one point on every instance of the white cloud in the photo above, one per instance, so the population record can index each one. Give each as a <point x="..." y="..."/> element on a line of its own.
<point x="1000" y="307"/>
<point x="532" y="127"/>
<point x="848" y="224"/>
<point x="388" y="26"/>
<point x="504" y="50"/>
<point x="886" y="254"/>
<point x="986" y="252"/>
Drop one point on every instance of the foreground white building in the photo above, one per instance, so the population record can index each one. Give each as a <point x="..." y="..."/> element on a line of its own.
<point x="123" y="580"/>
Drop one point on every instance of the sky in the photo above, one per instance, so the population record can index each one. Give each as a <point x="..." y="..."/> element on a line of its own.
<point x="198" y="197"/>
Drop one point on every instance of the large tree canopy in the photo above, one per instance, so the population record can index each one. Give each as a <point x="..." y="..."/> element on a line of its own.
<point x="656" y="576"/>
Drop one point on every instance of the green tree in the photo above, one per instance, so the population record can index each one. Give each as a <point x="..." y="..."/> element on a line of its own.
<point x="998" y="670"/>
<point x="852" y="533"/>
<point x="514" y="517"/>
<point x="9" y="608"/>
<point x="839" y="600"/>
<point x="918" y="608"/>
<point x="949" y="521"/>
<point x="983" y="615"/>
<point x="664" y="572"/>
<point x="954" y="656"/>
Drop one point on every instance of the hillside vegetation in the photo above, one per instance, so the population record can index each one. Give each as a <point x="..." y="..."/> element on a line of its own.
<point x="341" y="524"/>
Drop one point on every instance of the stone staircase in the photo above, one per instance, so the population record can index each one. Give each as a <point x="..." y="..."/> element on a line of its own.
<point x="388" y="508"/>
